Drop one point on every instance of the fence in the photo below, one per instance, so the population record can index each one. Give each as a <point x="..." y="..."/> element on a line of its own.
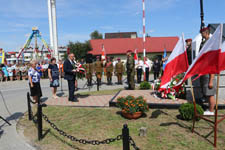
<point x="125" y="137"/>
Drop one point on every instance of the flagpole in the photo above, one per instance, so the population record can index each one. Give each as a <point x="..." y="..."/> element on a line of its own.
<point x="195" y="110"/>
<point x="143" y="1"/>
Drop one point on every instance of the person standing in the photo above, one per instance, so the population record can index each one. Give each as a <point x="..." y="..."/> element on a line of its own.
<point x="98" y="70"/>
<point x="208" y="82"/>
<point x="147" y="66"/>
<point x="39" y="69"/>
<point x="119" y="69"/>
<point x="156" y="69"/>
<point x="139" y="68"/>
<point x="5" y="72"/>
<point x="130" y="70"/>
<point x="109" y="71"/>
<point x="23" y="70"/>
<point x="70" y="76"/>
<point x="60" y="66"/>
<point x="34" y="81"/>
<point x="45" y="69"/>
<point x="10" y="72"/>
<point x="189" y="50"/>
<point x="53" y="74"/>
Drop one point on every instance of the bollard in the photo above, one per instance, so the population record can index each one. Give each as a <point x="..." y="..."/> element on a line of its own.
<point x="29" y="107"/>
<point x="39" y="119"/>
<point x="126" y="137"/>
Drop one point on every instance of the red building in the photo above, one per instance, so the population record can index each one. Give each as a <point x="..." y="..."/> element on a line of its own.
<point x="117" y="47"/>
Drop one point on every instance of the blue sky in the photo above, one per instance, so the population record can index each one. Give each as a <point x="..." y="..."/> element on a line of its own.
<point x="78" y="18"/>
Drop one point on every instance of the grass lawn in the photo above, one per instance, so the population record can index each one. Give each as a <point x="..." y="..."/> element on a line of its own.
<point x="165" y="131"/>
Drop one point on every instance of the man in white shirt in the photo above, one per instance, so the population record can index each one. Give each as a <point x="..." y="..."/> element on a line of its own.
<point x="139" y="67"/>
<point x="147" y="67"/>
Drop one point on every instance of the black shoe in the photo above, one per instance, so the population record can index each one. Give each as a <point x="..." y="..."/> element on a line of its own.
<point x="75" y="99"/>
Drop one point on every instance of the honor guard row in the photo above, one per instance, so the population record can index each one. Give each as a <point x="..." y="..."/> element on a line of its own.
<point x="99" y="67"/>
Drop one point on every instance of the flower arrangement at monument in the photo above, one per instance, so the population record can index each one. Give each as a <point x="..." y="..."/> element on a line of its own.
<point x="132" y="106"/>
<point x="170" y="92"/>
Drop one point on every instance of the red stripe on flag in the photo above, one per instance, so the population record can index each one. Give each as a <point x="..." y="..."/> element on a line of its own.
<point x="174" y="67"/>
<point x="206" y="64"/>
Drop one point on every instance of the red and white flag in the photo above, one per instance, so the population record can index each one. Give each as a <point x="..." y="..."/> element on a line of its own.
<point x="222" y="57"/>
<point x="210" y="59"/>
<point x="135" y="56"/>
<point x="103" y="53"/>
<point x="177" y="63"/>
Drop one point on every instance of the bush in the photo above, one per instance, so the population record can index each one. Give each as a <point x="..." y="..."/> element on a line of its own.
<point x="144" y="85"/>
<point x="187" y="111"/>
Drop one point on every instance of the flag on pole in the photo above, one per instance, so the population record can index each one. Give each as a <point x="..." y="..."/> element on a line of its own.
<point x="222" y="57"/>
<point x="135" y="56"/>
<point x="103" y="52"/>
<point x="177" y="63"/>
<point x="164" y="56"/>
<point x="210" y="60"/>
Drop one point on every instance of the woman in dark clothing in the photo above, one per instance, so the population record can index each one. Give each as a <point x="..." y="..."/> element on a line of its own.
<point x="53" y="74"/>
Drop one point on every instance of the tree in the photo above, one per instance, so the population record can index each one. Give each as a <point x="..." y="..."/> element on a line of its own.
<point x="79" y="49"/>
<point x="96" y="35"/>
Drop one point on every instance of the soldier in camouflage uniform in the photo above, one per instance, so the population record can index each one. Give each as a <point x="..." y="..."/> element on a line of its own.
<point x="130" y="70"/>
<point x="109" y="71"/>
<point x="98" y="66"/>
<point x="208" y="82"/>
<point x="119" y="69"/>
<point x="89" y="71"/>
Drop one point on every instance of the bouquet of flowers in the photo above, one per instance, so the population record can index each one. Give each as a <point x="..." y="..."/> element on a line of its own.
<point x="170" y="92"/>
<point x="80" y="71"/>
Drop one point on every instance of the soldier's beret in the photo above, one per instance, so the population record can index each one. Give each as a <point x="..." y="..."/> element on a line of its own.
<point x="188" y="40"/>
<point x="118" y="58"/>
<point x="204" y="29"/>
<point x="129" y="51"/>
<point x="98" y="57"/>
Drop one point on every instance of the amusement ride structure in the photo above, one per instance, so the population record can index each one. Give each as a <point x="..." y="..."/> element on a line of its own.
<point x="53" y="48"/>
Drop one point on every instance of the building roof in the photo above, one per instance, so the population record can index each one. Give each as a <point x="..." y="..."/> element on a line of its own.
<point x="120" y="35"/>
<point x="121" y="45"/>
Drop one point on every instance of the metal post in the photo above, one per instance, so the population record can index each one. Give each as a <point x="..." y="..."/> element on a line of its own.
<point x="125" y="134"/>
<point x="39" y="117"/>
<point x="29" y="107"/>
<point x="98" y="83"/>
<point x="61" y="79"/>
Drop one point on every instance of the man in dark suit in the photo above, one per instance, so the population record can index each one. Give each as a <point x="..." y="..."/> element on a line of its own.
<point x="70" y="76"/>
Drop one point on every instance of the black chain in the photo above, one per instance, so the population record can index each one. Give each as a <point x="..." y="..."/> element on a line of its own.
<point x="133" y="143"/>
<point x="82" y="141"/>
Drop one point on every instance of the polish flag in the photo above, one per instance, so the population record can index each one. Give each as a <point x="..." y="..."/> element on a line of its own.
<point x="135" y="56"/>
<point x="177" y="63"/>
<point x="222" y="57"/>
<point x="210" y="60"/>
<point x="103" y="52"/>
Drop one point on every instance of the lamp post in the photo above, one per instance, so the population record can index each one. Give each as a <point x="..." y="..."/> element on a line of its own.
<point x="202" y="14"/>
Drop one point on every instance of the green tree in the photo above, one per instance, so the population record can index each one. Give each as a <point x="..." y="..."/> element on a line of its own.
<point x="96" y="35"/>
<point x="79" y="49"/>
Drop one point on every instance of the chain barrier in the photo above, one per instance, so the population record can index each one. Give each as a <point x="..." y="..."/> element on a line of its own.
<point x="133" y="143"/>
<point x="82" y="141"/>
